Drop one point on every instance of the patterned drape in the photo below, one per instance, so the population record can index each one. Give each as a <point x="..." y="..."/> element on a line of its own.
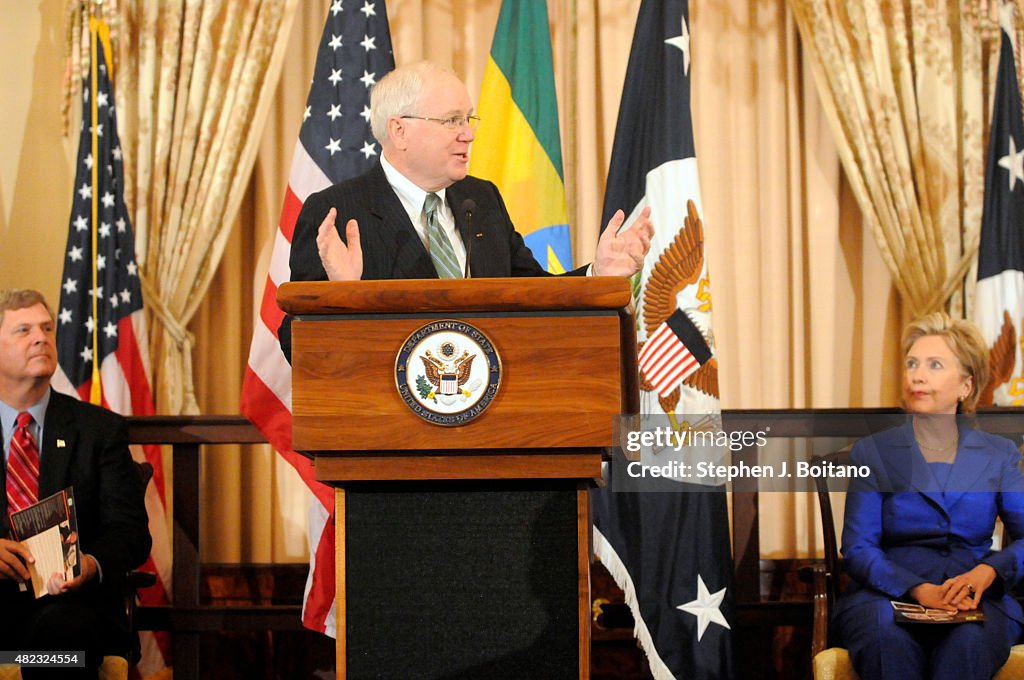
<point x="195" y="80"/>
<point x="904" y="88"/>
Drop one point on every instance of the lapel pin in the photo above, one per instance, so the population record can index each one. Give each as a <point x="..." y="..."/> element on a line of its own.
<point x="61" y="444"/>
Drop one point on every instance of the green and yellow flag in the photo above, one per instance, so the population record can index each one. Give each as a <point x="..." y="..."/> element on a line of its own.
<point x="518" y="146"/>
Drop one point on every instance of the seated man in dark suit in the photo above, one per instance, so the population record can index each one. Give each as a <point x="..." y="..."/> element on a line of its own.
<point x="50" y="442"/>
<point x="416" y="214"/>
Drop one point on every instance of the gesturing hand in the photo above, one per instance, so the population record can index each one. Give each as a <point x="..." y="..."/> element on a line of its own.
<point x="341" y="262"/>
<point x="622" y="253"/>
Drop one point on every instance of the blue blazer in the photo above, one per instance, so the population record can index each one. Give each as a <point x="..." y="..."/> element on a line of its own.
<point x="901" y="529"/>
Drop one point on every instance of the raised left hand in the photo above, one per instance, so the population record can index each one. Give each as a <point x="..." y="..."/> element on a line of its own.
<point x="622" y="253"/>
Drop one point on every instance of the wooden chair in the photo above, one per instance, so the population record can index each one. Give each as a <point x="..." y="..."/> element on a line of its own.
<point x="114" y="667"/>
<point x="831" y="662"/>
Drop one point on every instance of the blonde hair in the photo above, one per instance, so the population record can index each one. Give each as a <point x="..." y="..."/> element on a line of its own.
<point x="20" y="298"/>
<point x="964" y="340"/>
<point x="399" y="94"/>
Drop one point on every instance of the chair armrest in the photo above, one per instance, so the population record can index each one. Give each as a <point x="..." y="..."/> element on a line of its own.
<point x="140" y="579"/>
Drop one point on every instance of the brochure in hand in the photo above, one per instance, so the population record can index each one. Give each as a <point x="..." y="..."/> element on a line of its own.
<point x="50" y="530"/>
<point x="908" y="612"/>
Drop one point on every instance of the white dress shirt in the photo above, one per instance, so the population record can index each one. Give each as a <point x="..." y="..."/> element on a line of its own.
<point x="412" y="198"/>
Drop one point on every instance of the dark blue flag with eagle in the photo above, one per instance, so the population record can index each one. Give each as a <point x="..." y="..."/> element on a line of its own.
<point x="667" y="545"/>
<point x="999" y="299"/>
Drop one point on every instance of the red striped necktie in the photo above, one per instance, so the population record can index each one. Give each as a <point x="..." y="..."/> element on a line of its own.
<point x="22" y="467"/>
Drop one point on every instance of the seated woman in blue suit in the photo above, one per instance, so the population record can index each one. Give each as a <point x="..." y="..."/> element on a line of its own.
<point x="919" y="528"/>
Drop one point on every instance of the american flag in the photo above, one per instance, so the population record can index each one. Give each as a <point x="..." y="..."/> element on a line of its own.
<point x="101" y="328"/>
<point x="335" y="143"/>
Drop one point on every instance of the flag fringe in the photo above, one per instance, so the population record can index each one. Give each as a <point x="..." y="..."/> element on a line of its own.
<point x="610" y="559"/>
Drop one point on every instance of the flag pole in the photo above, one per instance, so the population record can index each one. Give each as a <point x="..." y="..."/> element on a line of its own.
<point x="96" y="389"/>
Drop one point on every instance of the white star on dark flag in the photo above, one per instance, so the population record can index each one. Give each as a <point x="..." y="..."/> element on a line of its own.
<point x="1013" y="161"/>
<point x="682" y="41"/>
<point x="707" y="608"/>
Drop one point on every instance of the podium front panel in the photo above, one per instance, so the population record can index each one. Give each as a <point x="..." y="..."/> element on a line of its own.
<point x="462" y="580"/>
<point x="560" y="383"/>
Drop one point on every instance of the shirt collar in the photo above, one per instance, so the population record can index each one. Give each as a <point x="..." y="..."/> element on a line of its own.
<point x="406" y="189"/>
<point x="9" y="414"/>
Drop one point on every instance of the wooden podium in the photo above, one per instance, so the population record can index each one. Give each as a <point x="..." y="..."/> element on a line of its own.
<point x="462" y="548"/>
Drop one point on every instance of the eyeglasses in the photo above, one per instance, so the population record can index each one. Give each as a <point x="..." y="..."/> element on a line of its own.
<point x="452" y="122"/>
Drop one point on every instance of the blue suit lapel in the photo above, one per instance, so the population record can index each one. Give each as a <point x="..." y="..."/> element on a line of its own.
<point x="970" y="464"/>
<point x="906" y="463"/>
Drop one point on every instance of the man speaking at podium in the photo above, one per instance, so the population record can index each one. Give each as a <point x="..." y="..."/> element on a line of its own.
<point x="416" y="214"/>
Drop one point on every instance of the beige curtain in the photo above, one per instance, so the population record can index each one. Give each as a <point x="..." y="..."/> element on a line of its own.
<point x="805" y="313"/>
<point x="905" y="93"/>
<point x="193" y="89"/>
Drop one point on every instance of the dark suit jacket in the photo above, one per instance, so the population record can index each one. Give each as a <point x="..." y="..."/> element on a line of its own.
<point x="901" y="530"/>
<point x="391" y="247"/>
<point x="95" y="460"/>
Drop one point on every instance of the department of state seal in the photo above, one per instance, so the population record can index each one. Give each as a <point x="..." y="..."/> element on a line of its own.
<point x="448" y="372"/>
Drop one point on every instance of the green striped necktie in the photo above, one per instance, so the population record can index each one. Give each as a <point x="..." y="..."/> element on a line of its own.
<point x="441" y="251"/>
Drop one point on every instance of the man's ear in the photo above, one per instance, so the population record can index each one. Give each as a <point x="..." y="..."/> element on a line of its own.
<point x="398" y="132"/>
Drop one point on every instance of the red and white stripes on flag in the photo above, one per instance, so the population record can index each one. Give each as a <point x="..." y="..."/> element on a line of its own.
<point x="267" y="398"/>
<point x="101" y="327"/>
<point x="335" y="143"/>
<point x="673" y="353"/>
